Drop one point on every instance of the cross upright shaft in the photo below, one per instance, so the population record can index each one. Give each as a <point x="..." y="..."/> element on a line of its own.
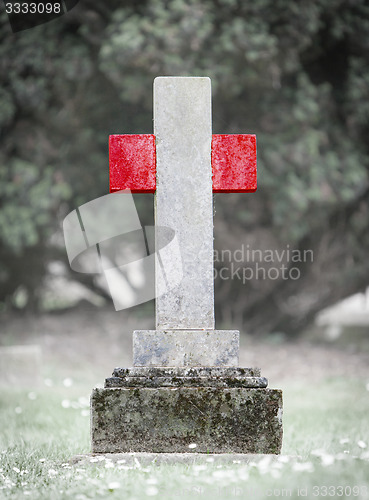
<point x="184" y="200"/>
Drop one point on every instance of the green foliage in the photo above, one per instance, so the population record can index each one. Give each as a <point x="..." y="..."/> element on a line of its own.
<point x="294" y="73"/>
<point x="31" y="198"/>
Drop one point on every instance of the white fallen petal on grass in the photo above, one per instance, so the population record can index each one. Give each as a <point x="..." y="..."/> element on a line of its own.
<point x="229" y="474"/>
<point x="84" y="402"/>
<point x="199" y="467"/>
<point x="52" y="472"/>
<point x="361" y="444"/>
<point x="32" y="396"/>
<point x="318" y="453"/>
<point x="68" y="382"/>
<point x="264" y="465"/>
<point x="114" y="485"/>
<point x="327" y="460"/>
<point x="18" y="410"/>
<point x="124" y="467"/>
<point x="344" y="440"/>
<point x="275" y="473"/>
<point x="192" y="446"/>
<point x="65" y="403"/>
<point x="277" y="465"/>
<point x="243" y="474"/>
<point x="152" y="491"/>
<point x="303" y="467"/>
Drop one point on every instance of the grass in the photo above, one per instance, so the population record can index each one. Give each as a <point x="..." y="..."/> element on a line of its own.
<point x="325" y="425"/>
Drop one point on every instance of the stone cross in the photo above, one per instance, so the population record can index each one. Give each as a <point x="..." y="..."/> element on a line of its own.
<point x="183" y="164"/>
<point x="185" y="391"/>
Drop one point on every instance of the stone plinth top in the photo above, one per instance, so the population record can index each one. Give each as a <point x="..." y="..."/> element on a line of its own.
<point x="192" y="377"/>
<point x="186" y="348"/>
<point x="181" y="371"/>
<point x="249" y="382"/>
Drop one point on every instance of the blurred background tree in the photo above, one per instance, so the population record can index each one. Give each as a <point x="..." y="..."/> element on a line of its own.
<point x="294" y="73"/>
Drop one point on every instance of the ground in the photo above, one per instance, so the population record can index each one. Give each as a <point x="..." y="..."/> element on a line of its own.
<point x="326" y="403"/>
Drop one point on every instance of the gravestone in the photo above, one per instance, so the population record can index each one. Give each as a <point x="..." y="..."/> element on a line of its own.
<point x="185" y="391"/>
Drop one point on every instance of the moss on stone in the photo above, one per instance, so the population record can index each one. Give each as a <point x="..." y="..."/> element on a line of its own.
<point x="218" y="420"/>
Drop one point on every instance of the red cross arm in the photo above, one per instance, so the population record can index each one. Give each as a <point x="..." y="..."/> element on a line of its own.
<point x="233" y="160"/>
<point x="132" y="163"/>
<point x="132" y="160"/>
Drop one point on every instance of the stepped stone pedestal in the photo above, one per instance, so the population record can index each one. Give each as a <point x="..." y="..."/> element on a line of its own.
<point x="165" y="409"/>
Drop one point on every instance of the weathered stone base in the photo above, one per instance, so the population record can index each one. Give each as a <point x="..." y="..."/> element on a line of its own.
<point x="169" y="419"/>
